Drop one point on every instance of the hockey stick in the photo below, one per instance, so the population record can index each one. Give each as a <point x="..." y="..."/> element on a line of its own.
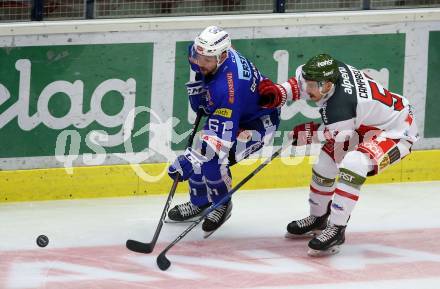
<point x="162" y="261"/>
<point x="146" y="248"/>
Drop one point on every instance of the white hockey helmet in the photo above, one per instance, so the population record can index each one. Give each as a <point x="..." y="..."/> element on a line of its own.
<point x="212" y="41"/>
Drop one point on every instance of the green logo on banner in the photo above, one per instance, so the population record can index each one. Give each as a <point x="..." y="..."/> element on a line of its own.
<point x="79" y="94"/>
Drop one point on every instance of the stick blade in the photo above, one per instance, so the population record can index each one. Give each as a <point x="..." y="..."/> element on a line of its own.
<point x="139" y="247"/>
<point x="163" y="262"/>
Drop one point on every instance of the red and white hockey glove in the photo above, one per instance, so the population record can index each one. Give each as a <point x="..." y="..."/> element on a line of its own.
<point x="304" y="134"/>
<point x="274" y="95"/>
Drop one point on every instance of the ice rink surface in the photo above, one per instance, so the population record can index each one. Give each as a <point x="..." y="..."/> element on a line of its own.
<point x="392" y="242"/>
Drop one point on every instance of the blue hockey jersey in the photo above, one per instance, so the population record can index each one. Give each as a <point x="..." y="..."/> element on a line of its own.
<point x="232" y="100"/>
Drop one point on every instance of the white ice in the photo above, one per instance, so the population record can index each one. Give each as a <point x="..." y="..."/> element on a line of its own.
<point x="256" y="214"/>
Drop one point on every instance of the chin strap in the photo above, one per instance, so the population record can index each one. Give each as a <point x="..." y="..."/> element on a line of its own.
<point x="219" y="63"/>
<point x="218" y="57"/>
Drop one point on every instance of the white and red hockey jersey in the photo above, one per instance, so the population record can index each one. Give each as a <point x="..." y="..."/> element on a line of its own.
<point x="361" y="105"/>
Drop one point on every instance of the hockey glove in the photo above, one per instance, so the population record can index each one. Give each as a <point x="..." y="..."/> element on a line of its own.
<point x="304" y="134"/>
<point x="274" y="95"/>
<point x="186" y="164"/>
<point x="198" y="96"/>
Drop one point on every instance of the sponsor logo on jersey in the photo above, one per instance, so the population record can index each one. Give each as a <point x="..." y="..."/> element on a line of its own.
<point x="361" y="84"/>
<point x="384" y="162"/>
<point x="312" y="202"/>
<point x="323" y="112"/>
<point x="231" y="92"/>
<point x="337" y="207"/>
<point x="372" y="148"/>
<point x="246" y="70"/>
<point x="243" y="66"/>
<point x="346" y="177"/>
<point x="225" y="112"/>
<point x="256" y="75"/>
<point x="322" y="181"/>
<point x="213" y="142"/>
<point x="346" y="84"/>
<point x="325" y="63"/>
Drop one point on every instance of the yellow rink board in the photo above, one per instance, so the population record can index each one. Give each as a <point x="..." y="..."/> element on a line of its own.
<point x="123" y="180"/>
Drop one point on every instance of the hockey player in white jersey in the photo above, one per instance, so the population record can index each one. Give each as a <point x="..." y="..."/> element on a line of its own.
<point x="365" y="128"/>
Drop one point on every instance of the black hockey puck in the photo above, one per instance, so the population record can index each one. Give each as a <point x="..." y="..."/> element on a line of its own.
<point x="42" y="241"/>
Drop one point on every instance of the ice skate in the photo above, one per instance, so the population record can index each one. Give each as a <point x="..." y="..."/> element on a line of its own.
<point x="185" y="212"/>
<point x="216" y="218"/>
<point x="328" y="242"/>
<point x="310" y="226"/>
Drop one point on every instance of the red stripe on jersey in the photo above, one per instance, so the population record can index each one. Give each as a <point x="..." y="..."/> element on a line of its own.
<point x="346" y="194"/>
<point x="367" y="132"/>
<point x="318" y="192"/>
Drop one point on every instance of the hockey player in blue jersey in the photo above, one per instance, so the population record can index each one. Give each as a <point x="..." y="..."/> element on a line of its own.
<point x="236" y="126"/>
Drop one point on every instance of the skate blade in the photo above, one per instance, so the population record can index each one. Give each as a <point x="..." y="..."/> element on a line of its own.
<point x="169" y="221"/>
<point x="318" y="253"/>
<point x="188" y="221"/>
<point x="308" y="235"/>
<point x="207" y="234"/>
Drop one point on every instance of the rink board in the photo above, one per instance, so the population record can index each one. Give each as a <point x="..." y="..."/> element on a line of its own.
<point x="68" y="88"/>
<point x="126" y="180"/>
